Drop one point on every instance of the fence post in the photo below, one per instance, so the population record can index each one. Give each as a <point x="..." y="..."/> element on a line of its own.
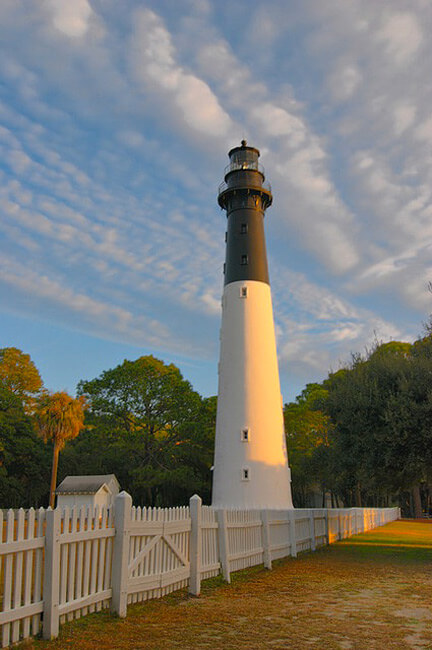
<point x="195" y="504"/>
<point x="292" y="532"/>
<point x="267" y="558"/>
<point x="327" y="527"/>
<point x="51" y="586"/>
<point x="223" y="544"/>
<point x="340" y="526"/>
<point x="312" y="529"/>
<point x="120" y="558"/>
<point x="362" y="520"/>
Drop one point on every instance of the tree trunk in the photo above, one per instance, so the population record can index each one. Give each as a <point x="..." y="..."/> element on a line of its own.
<point x="56" y="451"/>
<point x="418" y="513"/>
<point x="358" y="499"/>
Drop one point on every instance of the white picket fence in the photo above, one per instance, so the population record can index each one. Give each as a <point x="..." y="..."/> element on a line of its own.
<point x="59" y="565"/>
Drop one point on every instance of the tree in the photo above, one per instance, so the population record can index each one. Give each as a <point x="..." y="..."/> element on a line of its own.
<point x="19" y="374"/>
<point x="158" y="431"/>
<point x="307" y="431"/>
<point x="24" y="463"/>
<point x="60" y="418"/>
<point x="409" y="418"/>
<point x="391" y="348"/>
<point x="381" y="410"/>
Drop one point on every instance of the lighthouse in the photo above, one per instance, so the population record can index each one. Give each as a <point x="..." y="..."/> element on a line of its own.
<point x="250" y="465"/>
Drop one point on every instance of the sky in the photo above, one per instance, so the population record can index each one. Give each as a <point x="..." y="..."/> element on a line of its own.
<point x="115" y="123"/>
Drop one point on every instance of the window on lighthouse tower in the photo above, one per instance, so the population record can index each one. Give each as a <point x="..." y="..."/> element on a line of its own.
<point x="244" y="260"/>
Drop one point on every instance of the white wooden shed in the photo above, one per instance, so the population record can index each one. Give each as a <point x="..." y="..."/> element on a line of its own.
<point x="97" y="490"/>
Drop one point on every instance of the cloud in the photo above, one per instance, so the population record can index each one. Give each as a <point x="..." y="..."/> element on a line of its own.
<point x="70" y="18"/>
<point x="279" y="122"/>
<point x="153" y="62"/>
<point x="116" y="123"/>
<point x="404" y="116"/>
<point x="41" y="286"/>
<point x="344" y="81"/>
<point x="318" y="329"/>
<point x="424" y="130"/>
<point x="402" y="37"/>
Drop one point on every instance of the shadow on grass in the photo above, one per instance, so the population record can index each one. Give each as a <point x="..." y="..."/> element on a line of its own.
<point x="386" y="552"/>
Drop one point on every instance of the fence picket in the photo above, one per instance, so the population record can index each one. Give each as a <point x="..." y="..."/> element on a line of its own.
<point x="7" y="583"/>
<point x="39" y="559"/>
<point x="101" y="558"/>
<point x="72" y="562"/>
<point x="94" y="557"/>
<point x="87" y="560"/>
<point x="28" y="572"/>
<point x="64" y="561"/>
<point x="80" y="557"/>
<point x="17" y="577"/>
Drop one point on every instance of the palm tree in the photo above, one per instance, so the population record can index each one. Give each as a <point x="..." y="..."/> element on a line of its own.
<point x="60" y="417"/>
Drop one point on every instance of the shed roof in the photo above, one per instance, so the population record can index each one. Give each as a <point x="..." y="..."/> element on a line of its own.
<point x="85" y="484"/>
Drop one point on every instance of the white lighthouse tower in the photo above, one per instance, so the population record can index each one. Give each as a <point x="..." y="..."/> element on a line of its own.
<point x="251" y="465"/>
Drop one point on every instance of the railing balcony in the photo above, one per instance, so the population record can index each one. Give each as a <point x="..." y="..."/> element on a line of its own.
<point x="265" y="185"/>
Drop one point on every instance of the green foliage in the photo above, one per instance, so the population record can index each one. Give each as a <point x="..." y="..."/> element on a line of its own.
<point x="24" y="462"/>
<point x="392" y="348"/>
<point x="59" y="418"/>
<point x="308" y="430"/>
<point x="365" y="433"/>
<point x="380" y="407"/>
<point x="147" y="425"/>
<point x="19" y="374"/>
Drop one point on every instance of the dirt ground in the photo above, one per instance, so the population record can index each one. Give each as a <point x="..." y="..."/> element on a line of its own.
<point x="373" y="591"/>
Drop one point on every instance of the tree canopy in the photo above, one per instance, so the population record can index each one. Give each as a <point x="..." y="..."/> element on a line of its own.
<point x="60" y="418"/>
<point x="378" y="416"/>
<point x="308" y="431"/>
<point x="159" y="431"/>
<point x="19" y="374"/>
<point x="24" y="463"/>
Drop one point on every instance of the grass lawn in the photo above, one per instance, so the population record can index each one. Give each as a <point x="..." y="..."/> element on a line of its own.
<point x="373" y="591"/>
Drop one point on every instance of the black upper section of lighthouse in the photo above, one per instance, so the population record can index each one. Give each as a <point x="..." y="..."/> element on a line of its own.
<point x="245" y="195"/>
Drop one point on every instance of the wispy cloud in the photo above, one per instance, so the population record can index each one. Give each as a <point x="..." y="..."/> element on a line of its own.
<point x="115" y="123"/>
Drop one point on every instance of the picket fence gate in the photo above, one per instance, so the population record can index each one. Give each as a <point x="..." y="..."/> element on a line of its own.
<point x="58" y="565"/>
